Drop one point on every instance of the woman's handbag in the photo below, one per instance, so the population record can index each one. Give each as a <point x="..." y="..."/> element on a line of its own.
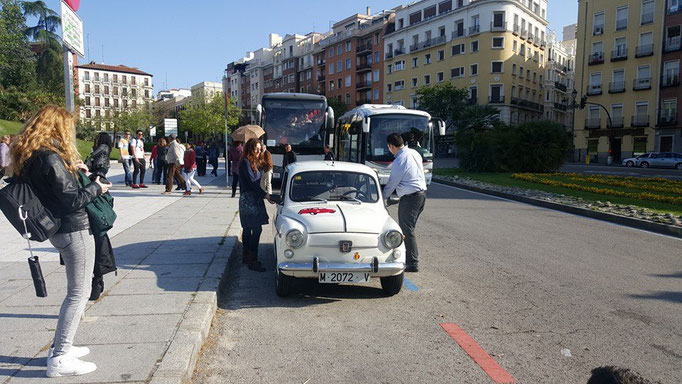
<point x="100" y="210"/>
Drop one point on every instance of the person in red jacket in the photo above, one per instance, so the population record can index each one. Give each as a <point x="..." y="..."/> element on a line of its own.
<point x="190" y="170"/>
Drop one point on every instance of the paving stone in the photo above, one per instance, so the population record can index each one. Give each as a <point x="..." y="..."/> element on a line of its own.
<point x="145" y="271"/>
<point x="127" y="329"/>
<point x="141" y="304"/>
<point x="156" y="285"/>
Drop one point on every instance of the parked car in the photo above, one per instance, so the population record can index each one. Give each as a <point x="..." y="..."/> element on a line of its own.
<point x="332" y="225"/>
<point x="656" y="159"/>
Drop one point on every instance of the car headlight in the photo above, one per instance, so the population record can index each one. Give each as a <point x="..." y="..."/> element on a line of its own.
<point x="393" y="239"/>
<point x="295" y="238"/>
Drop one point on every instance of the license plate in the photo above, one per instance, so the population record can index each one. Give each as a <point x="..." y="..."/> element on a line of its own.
<point x="276" y="175"/>
<point x="343" y="277"/>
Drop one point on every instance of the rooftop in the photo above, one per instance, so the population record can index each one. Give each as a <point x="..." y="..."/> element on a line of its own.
<point x="114" y="68"/>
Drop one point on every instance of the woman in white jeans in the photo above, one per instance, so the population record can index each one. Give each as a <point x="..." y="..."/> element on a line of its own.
<point x="45" y="154"/>
<point x="266" y="168"/>
<point x="190" y="170"/>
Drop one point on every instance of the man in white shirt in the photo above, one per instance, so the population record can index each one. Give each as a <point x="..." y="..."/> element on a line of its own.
<point x="408" y="181"/>
<point x="140" y="164"/>
<point x="124" y="151"/>
<point x="176" y="161"/>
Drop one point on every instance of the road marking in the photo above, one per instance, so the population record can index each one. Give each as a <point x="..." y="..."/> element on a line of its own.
<point x="410" y="285"/>
<point x="489" y="366"/>
<point x="568" y="213"/>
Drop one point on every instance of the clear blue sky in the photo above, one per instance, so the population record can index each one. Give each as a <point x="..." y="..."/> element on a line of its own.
<point x="187" y="42"/>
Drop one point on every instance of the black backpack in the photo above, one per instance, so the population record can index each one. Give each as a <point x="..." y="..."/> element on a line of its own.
<point x="23" y="209"/>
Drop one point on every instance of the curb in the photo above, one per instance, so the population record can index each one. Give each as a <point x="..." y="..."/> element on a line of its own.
<point x="663" y="229"/>
<point x="178" y="363"/>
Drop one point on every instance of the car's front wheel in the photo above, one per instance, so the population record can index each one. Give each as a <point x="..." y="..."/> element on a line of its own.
<point x="678" y="166"/>
<point x="391" y="285"/>
<point x="630" y="163"/>
<point x="284" y="284"/>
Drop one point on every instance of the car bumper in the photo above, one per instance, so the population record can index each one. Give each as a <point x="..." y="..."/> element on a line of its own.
<point x="311" y="270"/>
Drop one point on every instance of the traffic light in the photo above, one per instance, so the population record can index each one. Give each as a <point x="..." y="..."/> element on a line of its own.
<point x="583" y="102"/>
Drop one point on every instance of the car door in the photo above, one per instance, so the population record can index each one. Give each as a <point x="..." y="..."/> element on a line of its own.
<point x="653" y="159"/>
<point x="280" y="204"/>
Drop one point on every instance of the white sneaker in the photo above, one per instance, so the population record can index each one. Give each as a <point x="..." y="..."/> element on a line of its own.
<point x="68" y="365"/>
<point x="74" y="351"/>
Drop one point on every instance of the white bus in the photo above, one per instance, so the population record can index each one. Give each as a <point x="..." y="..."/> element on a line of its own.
<point x="360" y="136"/>
<point x="300" y="119"/>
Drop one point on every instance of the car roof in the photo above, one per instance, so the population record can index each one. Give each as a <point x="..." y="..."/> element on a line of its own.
<point x="307" y="166"/>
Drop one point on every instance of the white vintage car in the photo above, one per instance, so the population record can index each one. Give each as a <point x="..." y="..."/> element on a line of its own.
<point x="332" y="225"/>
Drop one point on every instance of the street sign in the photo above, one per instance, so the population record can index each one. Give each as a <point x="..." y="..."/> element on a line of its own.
<point x="72" y="30"/>
<point x="152" y="131"/>
<point x="170" y="127"/>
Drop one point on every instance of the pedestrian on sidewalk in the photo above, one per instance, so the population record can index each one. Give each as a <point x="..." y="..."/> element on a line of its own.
<point x="328" y="155"/>
<point x="98" y="162"/>
<point x="190" y="170"/>
<point x="213" y="155"/>
<point x="125" y="158"/>
<point x="289" y="156"/>
<point x="408" y="180"/>
<point x="45" y="154"/>
<point x="202" y="156"/>
<point x="235" y="155"/>
<point x="4" y="156"/>
<point x="176" y="160"/>
<point x="252" y="213"/>
<point x="161" y="166"/>
<point x="266" y="169"/>
<point x="139" y="162"/>
<point x="153" y="161"/>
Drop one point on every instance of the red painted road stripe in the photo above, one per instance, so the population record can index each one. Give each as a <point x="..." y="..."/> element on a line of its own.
<point x="490" y="366"/>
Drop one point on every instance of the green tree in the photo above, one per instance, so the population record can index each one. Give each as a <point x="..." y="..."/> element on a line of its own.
<point x="17" y="61"/>
<point x="445" y="101"/>
<point x="202" y="118"/>
<point x="50" y="68"/>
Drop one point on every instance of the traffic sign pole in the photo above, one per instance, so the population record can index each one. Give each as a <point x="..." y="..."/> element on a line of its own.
<point x="68" y="80"/>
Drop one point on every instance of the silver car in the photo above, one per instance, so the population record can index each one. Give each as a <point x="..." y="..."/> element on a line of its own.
<point x="656" y="159"/>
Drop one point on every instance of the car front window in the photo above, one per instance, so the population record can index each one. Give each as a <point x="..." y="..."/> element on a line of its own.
<point x="334" y="186"/>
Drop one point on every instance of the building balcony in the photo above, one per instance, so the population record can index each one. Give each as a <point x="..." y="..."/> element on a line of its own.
<point x="496" y="99"/>
<point x="621" y="24"/>
<point x="617" y="122"/>
<point x="593" y="123"/>
<point x="364" y="67"/>
<point x="527" y="104"/>
<point x="619" y="54"/>
<point x="363" y="49"/>
<point x="596" y="58"/>
<point x="561" y="87"/>
<point x="644" y="50"/>
<point x="516" y="29"/>
<point x="524" y="33"/>
<point x="617" y="87"/>
<point x="670" y="81"/>
<point x="673" y="9"/>
<point x="321" y="62"/>
<point x="498" y="27"/>
<point x="363" y="85"/>
<point x="594" y="90"/>
<point x="641" y="84"/>
<point x="389" y="55"/>
<point x="321" y="78"/>
<point x="457" y="34"/>
<point x="399" y="51"/>
<point x="560" y="106"/>
<point x="640" y="121"/>
<point x="474" y="30"/>
<point x="672" y="44"/>
<point x="667" y="119"/>
<point x="530" y="37"/>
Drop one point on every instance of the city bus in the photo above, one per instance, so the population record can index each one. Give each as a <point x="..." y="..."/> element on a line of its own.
<point x="300" y="119"/>
<point x="360" y="136"/>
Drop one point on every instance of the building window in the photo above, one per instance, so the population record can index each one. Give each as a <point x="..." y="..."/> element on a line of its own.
<point x="348" y="81"/>
<point x="441" y="55"/>
<point x="389" y="88"/>
<point x="348" y="46"/>
<point x="347" y="98"/>
<point x="399" y="85"/>
<point x="647" y="12"/>
<point x="440" y="77"/>
<point x="97" y="102"/>
<point x="106" y="102"/>
<point x="96" y="76"/>
<point x="339" y="49"/>
<point x="96" y="89"/>
<point x="427" y="59"/>
<point x="473" y="70"/>
<point x="87" y="88"/>
<point x="133" y="80"/>
<point x="87" y="100"/>
<point x="427" y="79"/>
<point x="88" y="113"/>
<point x="106" y="89"/>
<point x="598" y="24"/>
<point x="376" y="75"/>
<point x="498" y="42"/>
<point x="339" y="83"/>
<point x="457" y="49"/>
<point x="474" y="46"/>
<point x="87" y="75"/>
<point x="348" y="64"/>
<point x="414" y="82"/>
<point x="146" y="81"/>
<point x="399" y="65"/>
<point x="415" y="62"/>
<point x="457" y="72"/>
<point x="621" y="18"/>
<point x="331" y="68"/>
<point x="389" y="69"/>
<point x="497" y="67"/>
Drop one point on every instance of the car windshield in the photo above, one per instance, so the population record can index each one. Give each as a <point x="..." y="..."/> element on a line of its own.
<point x="334" y="186"/>
<point x="413" y="128"/>
<point x="296" y="122"/>
<point x="644" y="156"/>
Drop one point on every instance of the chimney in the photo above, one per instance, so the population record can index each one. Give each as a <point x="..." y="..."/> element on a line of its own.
<point x="369" y="11"/>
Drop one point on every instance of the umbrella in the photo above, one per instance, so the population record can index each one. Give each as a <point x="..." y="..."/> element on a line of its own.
<point x="247" y="132"/>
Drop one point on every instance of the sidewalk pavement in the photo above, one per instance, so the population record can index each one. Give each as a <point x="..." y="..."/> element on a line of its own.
<point x="150" y="323"/>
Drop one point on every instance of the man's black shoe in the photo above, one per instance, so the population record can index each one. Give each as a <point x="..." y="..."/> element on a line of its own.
<point x="412" y="268"/>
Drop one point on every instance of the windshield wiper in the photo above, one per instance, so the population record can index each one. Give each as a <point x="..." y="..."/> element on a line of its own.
<point x="345" y="198"/>
<point x="311" y="198"/>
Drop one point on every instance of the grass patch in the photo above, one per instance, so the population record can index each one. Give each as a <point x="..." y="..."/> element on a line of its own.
<point x="505" y="179"/>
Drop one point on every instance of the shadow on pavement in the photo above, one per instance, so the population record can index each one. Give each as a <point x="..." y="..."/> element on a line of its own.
<point x="241" y="288"/>
<point x="677" y="275"/>
<point x="27" y="316"/>
<point x="671" y="296"/>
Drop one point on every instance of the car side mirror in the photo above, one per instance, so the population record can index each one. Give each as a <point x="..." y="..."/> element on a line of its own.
<point x="392" y="200"/>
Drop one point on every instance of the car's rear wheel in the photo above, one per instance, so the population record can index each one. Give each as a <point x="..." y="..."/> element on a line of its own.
<point x="678" y="166"/>
<point x="630" y="163"/>
<point x="392" y="284"/>
<point x="644" y="164"/>
<point x="284" y="284"/>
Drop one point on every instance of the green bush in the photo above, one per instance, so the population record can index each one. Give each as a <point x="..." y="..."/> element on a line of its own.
<point x="538" y="146"/>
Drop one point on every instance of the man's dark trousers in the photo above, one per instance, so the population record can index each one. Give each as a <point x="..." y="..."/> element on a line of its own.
<point x="411" y="206"/>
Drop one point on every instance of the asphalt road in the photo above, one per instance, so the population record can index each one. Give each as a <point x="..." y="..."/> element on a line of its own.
<point x="522" y="281"/>
<point x="620" y="170"/>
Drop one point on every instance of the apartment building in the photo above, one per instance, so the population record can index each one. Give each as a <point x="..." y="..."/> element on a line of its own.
<point x="494" y="48"/>
<point x="349" y="64"/>
<point x="206" y="91"/>
<point x="618" y="68"/>
<point x="559" y="81"/>
<point x="174" y="93"/>
<point x="668" y="128"/>
<point x="105" y="90"/>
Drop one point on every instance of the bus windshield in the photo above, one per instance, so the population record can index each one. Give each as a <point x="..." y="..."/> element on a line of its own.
<point x="414" y="130"/>
<point x="296" y="122"/>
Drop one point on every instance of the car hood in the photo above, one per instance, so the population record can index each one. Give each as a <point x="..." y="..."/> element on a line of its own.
<point x="338" y="217"/>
